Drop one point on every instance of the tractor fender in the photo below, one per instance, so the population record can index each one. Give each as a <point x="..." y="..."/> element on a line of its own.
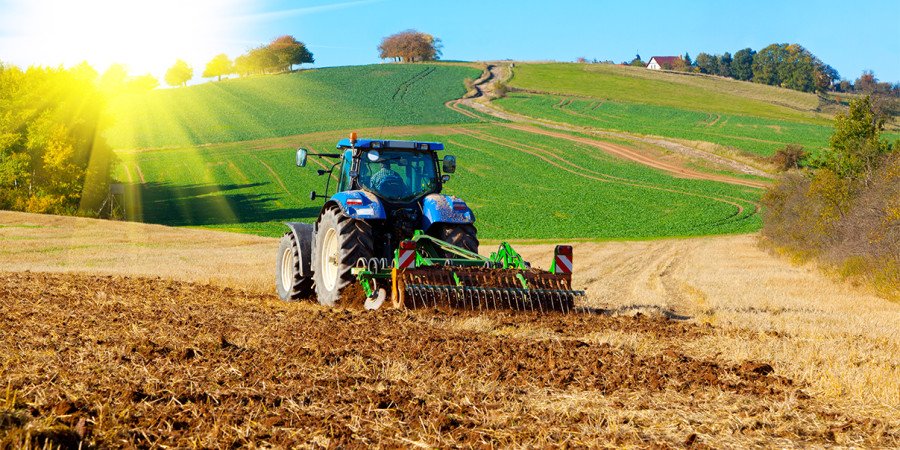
<point x="359" y="205"/>
<point x="304" y="232"/>
<point x="439" y="208"/>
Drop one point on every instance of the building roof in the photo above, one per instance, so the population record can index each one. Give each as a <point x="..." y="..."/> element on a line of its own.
<point x="665" y="60"/>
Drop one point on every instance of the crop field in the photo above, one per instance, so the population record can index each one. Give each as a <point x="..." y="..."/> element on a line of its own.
<point x="314" y="100"/>
<point x="120" y="334"/>
<point x="519" y="184"/>
<point x="698" y="93"/>
<point x="756" y="135"/>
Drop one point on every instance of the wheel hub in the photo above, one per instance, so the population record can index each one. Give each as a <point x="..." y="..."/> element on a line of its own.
<point x="330" y="261"/>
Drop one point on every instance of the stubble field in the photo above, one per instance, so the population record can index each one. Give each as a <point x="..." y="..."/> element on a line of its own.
<point x="675" y="354"/>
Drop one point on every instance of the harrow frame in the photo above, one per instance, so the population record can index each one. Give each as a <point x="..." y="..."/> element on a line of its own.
<point x="422" y="251"/>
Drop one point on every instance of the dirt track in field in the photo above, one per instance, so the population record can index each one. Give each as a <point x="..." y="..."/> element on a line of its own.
<point x="479" y="99"/>
<point x="137" y="362"/>
<point x="564" y="164"/>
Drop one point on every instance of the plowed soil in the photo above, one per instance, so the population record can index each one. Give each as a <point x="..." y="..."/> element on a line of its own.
<point x="113" y="361"/>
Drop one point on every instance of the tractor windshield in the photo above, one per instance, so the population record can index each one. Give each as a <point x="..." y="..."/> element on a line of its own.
<point x="397" y="175"/>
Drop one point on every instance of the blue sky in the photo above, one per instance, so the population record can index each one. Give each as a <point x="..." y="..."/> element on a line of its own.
<point x="852" y="37"/>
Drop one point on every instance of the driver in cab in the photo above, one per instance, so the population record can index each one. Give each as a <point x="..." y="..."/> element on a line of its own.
<point x="386" y="179"/>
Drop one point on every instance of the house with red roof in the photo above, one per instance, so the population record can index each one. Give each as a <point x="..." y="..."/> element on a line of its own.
<point x="662" y="62"/>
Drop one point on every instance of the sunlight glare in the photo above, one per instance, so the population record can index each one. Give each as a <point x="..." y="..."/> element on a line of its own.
<point x="146" y="36"/>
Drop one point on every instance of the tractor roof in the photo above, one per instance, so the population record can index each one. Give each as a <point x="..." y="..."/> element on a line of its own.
<point x="402" y="145"/>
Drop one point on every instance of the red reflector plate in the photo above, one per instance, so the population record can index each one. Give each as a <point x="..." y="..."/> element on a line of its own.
<point x="460" y="206"/>
<point x="354" y="201"/>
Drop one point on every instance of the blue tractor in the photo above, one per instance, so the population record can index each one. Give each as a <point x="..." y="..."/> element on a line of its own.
<point x="389" y="233"/>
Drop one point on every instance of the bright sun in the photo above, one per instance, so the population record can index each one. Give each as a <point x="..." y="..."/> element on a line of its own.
<point x="146" y="36"/>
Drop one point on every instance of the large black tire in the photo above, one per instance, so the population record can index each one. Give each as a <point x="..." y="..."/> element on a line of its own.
<point x="288" y="281"/>
<point x="348" y="240"/>
<point x="460" y="235"/>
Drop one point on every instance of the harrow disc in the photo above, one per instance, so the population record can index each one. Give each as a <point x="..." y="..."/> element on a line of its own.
<point x="477" y="288"/>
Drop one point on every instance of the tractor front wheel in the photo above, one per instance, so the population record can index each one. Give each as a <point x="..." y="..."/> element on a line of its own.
<point x="340" y="243"/>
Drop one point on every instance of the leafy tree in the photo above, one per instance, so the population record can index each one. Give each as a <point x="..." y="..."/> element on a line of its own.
<point x="179" y="74"/>
<point x="866" y="82"/>
<point x="113" y="80"/>
<point x="637" y="62"/>
<point x="289" y="51"/>
<point x="409" y="46"/>
<point x="825" y="76"/>
<point x="798" y="69"/>
<point x="724" y="65"/>
<point x="53" y="158"/>
<point x="707" y="63"/>
<point x="142" y="83"/>
<point x="679" y="65"/>
<point x="767" y="62"/>
<point x="742" y="64"/>
<point x="856" y="146"/>
<point x="263" y="59"/>
<point x="218" y="66"/>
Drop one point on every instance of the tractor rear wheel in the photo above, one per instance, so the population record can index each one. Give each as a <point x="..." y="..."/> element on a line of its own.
<point x="288" y="281"/>
<point x="340" y="242"/>
<point x="460" y="235"/>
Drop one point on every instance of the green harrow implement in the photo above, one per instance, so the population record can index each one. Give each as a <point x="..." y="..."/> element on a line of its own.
<point x="430" y="273"/>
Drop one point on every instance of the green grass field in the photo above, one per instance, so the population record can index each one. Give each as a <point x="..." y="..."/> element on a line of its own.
<point x="521" y="186"/>
<point x="751" y="134"/>
<point x="339" y="98"/>
<point x="697" y="93"/>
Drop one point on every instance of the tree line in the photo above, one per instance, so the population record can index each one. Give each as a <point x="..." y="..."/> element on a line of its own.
<point x="280" y="55"/>
<point x="789" y="66"/>
<point x="284" y="52"/>
<point x="842" y="206"/>
<point x="53" y="158"/>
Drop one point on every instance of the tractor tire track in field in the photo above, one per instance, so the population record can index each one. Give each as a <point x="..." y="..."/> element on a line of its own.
<point x="404" y="87"/>
<point x="274" y="175"/>
<point x="139" y="172"/>
<point x="112" y="360"/>
<point x="477" y="103"/>
<point x="568" y="166"/>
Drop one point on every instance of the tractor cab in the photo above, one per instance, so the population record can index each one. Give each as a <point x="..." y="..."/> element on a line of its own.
<point x="392" y="171"/>
<point x="397" y="172"/>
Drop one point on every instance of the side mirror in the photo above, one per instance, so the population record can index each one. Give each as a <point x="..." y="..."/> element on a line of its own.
<point x="449" y="165"/>
<point x="301" y="157"/>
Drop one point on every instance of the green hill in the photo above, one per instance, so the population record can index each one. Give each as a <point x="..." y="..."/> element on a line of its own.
<point x="691" y="92"/>
<point x="750" y="117"/>
<point x="521" y="186"/>
<point x="337" y="98"/>
<point x="751" y="134"/>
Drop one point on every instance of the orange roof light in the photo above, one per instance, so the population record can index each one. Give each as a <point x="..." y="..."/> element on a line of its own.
<point x="353" y="138"/>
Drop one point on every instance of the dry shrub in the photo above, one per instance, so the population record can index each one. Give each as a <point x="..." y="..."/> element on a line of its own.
<point x="789" y="157"/>
<point x="500" y="90"/>
<point x="853" y="226"/>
